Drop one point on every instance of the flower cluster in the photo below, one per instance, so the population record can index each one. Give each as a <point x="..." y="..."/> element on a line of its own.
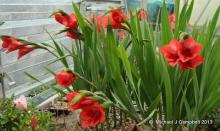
<point x="12" y="44"/>
<point x="114" y="20"/>
<point x="70" y="22"/>
<point x="92" y="112"/>
<point x="186" y="53"/>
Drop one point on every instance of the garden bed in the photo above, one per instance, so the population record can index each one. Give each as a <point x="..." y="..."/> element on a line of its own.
<point x="68" y="120"/>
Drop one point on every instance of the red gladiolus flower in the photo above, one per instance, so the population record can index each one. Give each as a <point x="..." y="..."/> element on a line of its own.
<point x="11" y="44"/>
<point x="186" y="53"/>
<point x="65" y="78"/>
<point x="7" y="41"/>
<point x="190" y="64"/>
<point x="72" y="35"/>
<point x="33" y="123"/>
<point x="189" y="49"/>
<point x="172" y="20"/>
<point x="118" y="16"/>
<point x="92" y="115"/>
<point x="114" y="20"/>
<point x="142" y="15"/>
<point x="82" y="103"/>
<point x="121" y="34"/>
<point x="112" y="24"/>
<point x="170" y="52"/>
<point x="69" y="21"/>
<point x="100" y="21"/>
<point x="24" y="50"/>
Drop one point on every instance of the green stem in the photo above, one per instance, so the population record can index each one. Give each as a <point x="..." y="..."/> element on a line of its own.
<point x="68" y="88"/>
<point x="146" y="119"/>
<point x="84" y="79"/>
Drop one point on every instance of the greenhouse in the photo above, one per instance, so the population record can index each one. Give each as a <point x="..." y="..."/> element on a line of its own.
<point x="109" y="65"/>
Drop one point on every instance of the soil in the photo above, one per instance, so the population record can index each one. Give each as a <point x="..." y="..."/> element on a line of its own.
<point x="67" y="120"/>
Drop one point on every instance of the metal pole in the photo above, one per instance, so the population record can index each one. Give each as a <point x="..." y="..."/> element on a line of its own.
<point x="126" y="5"/>
<point x="2" y="90"/>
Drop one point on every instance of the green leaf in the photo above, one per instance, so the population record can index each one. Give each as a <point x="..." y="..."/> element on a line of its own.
<point x="80" y="19"/>
<point x="77" y="98"/>
<point x="148" y="118"/>
<point x="59" y="51"/>
<point x="168" y="90"/>
<point x="50" y="71"/>
<point x="59" y="90"/>
<point x="32" y="77"/>
<point x="165" y="26"/>
<point x="59" y="59"/>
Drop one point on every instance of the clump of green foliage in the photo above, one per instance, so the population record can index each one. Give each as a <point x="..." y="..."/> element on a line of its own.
<point x="13" y="119"/>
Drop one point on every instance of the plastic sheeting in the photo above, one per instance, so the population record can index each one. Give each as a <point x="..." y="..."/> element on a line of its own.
<point x="133" y="4"/>
<point x="153" y="7"/>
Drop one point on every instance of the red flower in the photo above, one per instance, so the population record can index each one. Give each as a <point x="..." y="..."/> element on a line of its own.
<point x="190" y="64"/>
<point x="100" y="21"/>
<point x="108" y="22"/>
<point x="72" y="35"/>
<point x="11" y="44"/>
<point x="121" y="34"/>
<point x="189" y="49"/>
<point x="92" y="115"/>
<point x="82" y="103"/>
<point x="118" y="16"/>
<point x="170" y="52"/>
<point x="114" y="20"/>
<point x="33" y="123"/>
<point x="186" y="53"/>
<point x="172" y="20"/>
<point x="24" y="50"/>
<point x="70" y="21"/>
<point x="65" y="78"/>
<point x="142" y="15"/>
